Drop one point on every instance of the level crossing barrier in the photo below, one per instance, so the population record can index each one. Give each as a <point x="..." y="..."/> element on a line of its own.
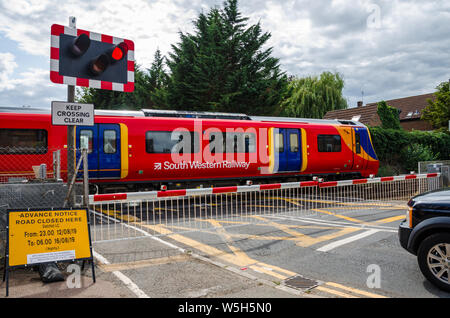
<point x="118" y="216"/>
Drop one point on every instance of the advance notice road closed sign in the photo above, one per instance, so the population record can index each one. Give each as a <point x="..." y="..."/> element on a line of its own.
<point x="72" y="114"/>
<point x="36" y="237"/>
<point x="46" y="236"/>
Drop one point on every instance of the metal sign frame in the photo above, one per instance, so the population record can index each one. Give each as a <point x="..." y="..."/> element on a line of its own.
<point x="7" y="267"/>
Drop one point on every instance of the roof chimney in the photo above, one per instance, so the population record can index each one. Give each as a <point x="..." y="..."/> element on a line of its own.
<point x="360" y="103"/>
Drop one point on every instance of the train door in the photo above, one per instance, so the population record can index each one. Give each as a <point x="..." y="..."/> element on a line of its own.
<point x="293" y="142"/>
<point x="103" y="143"/>
<point x="288" y="149"/>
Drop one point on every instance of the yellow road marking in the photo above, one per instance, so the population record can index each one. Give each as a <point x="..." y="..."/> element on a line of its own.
<point x="118" y="215"/>
<point x="354" y="290"/>
<point x="143" y="263"/>
<point x="304" y="240"/>
<point x="356" y="204"/>
<point x="391" y="219"/>
<point x="340" y="216"/>
<point x="242" y="260"/>
<point x="334" y="292"/>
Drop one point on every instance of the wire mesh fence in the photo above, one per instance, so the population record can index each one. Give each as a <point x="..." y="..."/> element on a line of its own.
<point x="19" y="164"/>
<point x="441" y="166"/>
<point x="32" y="178"/>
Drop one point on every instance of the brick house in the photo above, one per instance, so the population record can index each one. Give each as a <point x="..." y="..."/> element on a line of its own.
<point x="410" y="112"/>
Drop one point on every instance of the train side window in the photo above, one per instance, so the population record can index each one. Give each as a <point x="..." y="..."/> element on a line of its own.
<point x="233" y="142"/>
<point x="167" y="141"/>
<point x="293" y="140"/>
<point x="109" y="141"/>
<point x="250" y="143"/>
<point x="358" y="143"/>
<point x="23" y="141"/>
<point x="89" y="135"/>
<point x="279" y="142"/>
<point x="329" y="143"/>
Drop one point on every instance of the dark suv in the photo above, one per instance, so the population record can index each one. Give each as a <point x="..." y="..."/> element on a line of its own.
<point x="426" y="233"/>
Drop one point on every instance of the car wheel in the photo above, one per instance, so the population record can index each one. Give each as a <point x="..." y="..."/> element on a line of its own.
<point x="434" y="259"/>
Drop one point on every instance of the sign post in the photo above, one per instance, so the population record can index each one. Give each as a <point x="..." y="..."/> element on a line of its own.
<point x="36" y="237"/>
<point x="71" y="130"/>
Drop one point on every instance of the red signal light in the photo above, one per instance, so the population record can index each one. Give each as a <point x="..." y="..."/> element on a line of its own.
<point x="118" y="52"/>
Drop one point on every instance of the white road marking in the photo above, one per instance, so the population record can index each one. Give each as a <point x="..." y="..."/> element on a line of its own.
<point x="347" y="240"/>
<point x="124" y="279"/>
<point x="335" y="223"/>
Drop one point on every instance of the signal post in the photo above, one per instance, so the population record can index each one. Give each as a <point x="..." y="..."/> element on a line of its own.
<point x="84" y="58"/>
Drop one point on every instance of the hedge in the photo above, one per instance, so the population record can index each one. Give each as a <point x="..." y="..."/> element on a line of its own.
<point x="403" y="149"/>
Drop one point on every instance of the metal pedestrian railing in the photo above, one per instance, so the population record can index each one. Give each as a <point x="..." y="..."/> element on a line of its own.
<point x="132" y="215"/>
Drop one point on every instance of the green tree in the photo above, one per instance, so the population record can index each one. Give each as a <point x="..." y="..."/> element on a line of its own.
<point x="438" y="111"/>
<point x="105" y="99"/>
<point x="157" y="83"/>
<point x="150" y="90"/>
<point x="389" y="116"/>
<point x="312" y="96"/>
<point x="223" y="66"/>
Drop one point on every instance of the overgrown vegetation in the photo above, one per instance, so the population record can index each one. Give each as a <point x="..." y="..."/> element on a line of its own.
<point x="389" y="116"/>
<point x="314" y="96"/>
<point x="399" y="151"/>
<point x="438" y="111"/>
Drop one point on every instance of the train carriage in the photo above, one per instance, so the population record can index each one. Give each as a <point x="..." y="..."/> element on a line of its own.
<point x="150" y="148"/>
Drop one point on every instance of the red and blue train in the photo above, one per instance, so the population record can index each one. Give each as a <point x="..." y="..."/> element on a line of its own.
<point x="148" y="149"/>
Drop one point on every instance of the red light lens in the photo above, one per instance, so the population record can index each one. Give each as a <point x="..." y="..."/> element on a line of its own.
<point x="117" y="54"/>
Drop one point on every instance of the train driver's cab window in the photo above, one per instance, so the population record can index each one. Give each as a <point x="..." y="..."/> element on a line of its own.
<point x="23" y="141"/>
<point x="329" y="143"/>
<point x="168" y="141"/>
<point x="110" y="141"/>
<point x="358" y="143"/>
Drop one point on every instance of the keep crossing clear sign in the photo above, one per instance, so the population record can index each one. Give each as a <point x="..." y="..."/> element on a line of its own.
<point x="72" y="114"/>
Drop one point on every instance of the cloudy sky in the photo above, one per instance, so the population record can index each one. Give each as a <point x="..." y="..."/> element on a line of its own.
<point x="384" y="48"/>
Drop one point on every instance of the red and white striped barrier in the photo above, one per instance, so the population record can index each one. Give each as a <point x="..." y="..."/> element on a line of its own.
<point x="377" y="180"/>
<point x="151" y="195"/>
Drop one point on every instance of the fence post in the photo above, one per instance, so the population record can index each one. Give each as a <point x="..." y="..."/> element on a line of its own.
<point x="57" y="165"/>
<point x="85" y="178"/>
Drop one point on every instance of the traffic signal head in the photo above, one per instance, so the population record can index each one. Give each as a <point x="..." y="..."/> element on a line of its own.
<point x="80" y="45"/>
<point x="89" y="59"/>
<point x="115" y="54"/>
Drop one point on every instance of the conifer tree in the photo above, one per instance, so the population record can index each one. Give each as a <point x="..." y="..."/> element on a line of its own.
<point x="224" y="66"/>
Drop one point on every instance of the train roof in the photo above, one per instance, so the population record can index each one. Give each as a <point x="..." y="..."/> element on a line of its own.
<point x="188" y="114"/>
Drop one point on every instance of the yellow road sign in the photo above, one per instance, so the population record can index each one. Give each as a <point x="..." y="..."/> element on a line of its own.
<point x="43" y="236"/>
